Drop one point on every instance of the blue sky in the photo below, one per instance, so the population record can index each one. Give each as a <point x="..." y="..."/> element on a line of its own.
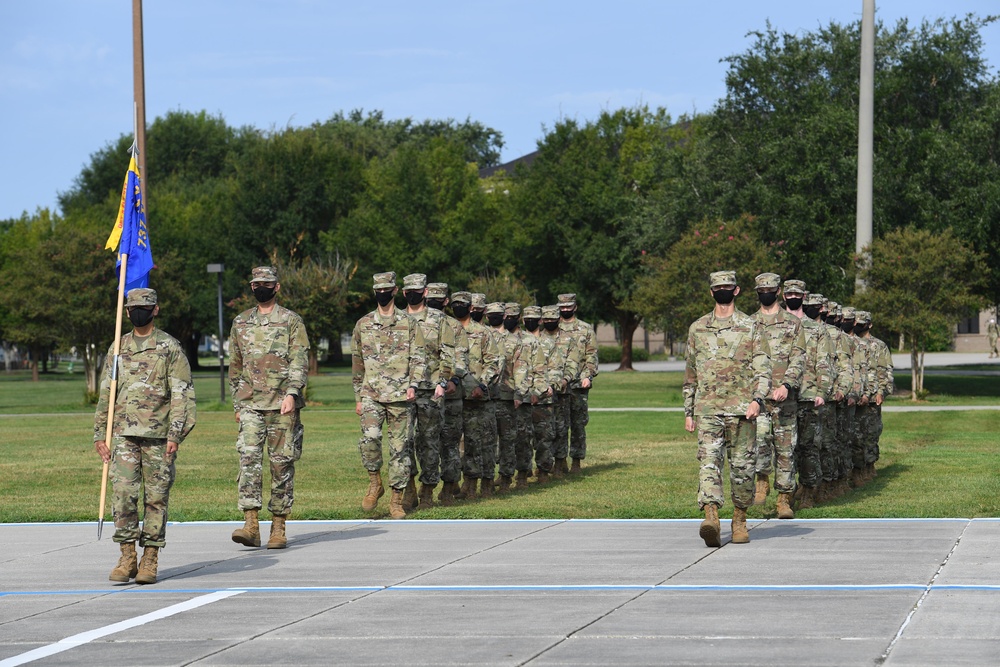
<point x="517" y="66"/>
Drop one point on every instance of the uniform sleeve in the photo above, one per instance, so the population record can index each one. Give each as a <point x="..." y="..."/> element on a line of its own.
<point x="418" y="356"/>
<point x="845" y="367"/>
<point x="461" y="351"/>
<point x="522" y="371"/>
<point x="446" y="340"/>
<point x="298" y="357"/>
<point x="357" y="362"/>
<point x="796" y="359"/>
<point x="761" y="364"/>
<point x="858" y="360"/>
<point x="235" y="363"/>
<point x="590" y="368"/>
<point x="493" y="360"/>
<point x="690" y="388"/>
<point x="183" y="410"/>
<point x="101" y="415"/>
<point x="574" y="358"/>
<point x="886" y="381"/>
<point x="824" y="366"/>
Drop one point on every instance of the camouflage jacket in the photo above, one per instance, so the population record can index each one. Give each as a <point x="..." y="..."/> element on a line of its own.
<point x="788" y="348"/>
<point x="864" y="360"/>
<point x="728" y="365"/>
<point x="549" y="368"/>
<point x="268" y="355"/>
<point x="586" y="341"/>
<point x="515" y="366"/>
<point x="563" y="365"/>
<point x="498" y="340"/>
<point x="439" y="339"/>
<point x="859" y="361"/>
<point x="883" y="367"/>
<point x="532" y="367"/>
<point x="155" y="397"/>
<point x="388" y="356"/>
<point x="843" y="359"/>
<point x="485" y="360"/>
<point x="572" y="352"/>
<point x="817" y="378"/>
<point x="454" y="392"/>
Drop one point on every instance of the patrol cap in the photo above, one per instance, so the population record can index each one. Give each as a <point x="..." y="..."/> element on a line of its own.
<point x="848" y="313"/>
<point x="863" y="317"/>
<point x="532" y="312"/>
<point x="511" y="308"/>
<point x="767" y="281"/>
<point x="550" y="312"/>
<point x="719" y="278"/>
<point x="385" y="280"/>
<point x="567" y="300"/>
<point x="835" y="309"/>
<point x="813" y="299"/>
<point x="833" y="305"/>
<point x="478" y="300"/>
<point x="140" y="296"/>
<point x="414" y="281"/>
<point x="264" y="274"/>
<point x="495" y="307"/>
<point x="437" y="290"/>
<point x="794" y="287"/>
<point x="461" y="297"/>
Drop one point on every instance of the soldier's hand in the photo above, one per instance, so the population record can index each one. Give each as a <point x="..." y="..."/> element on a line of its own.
<point x="288" y="404"/>
<point x="102" y="449"/>
<point x="517" y="403"/>
<point x="838" y="397"/>
<point x="550" y="391"/>
<point x="236" y="415"/>
<point x="851" y="401"/>
<point x="863" y="401"/>
<point x="171" y="447"/>
<point x="357" y="408"/>
<point x="689" y="424"/>
<point x="534" y="400"/>
<point x="818" y="401"/>
<point x="411" y="394"/>
<point x="753" y="411"/>
<point x="438" y="391"/>
<point x="450" y="388"/>
<point x="878" y="399"/>
<point x="780" y="393"/>
<point x="477" y="393"/>
<point x="585" y="383"/>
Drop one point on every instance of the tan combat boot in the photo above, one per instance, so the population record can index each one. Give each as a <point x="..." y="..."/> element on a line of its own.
<point x="277" y="540"/>
<point x="559" y="469"/>
<point x="763" y="488"/>
<point x="857" y="478"/>
<point x="249" y="534"/>
<point x="127" y="566"/>
<point x="872" y="473"/>
<point x="576" y="466"/>
<point x="806" y="501"/>
<point x="486" y="487"/>
<point x="542" y="476"/>
<point x="447" y="495"/>
<point x="710" y="530"/>
<point x="740" y="533"/>
<point x="410" y="498"/>
<point x="375" y="491"/>
<point x="505" y="482"/>
<point x="468" y="488"/>
<point x="785" y="506"/>
<point x="426" y="496"/>
<point x="147" y="566"/>
<point x="396" y="510"/>
<point x="522" y="480"/>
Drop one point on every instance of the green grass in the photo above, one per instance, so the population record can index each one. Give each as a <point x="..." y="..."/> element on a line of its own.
<point x="639" y="465"/>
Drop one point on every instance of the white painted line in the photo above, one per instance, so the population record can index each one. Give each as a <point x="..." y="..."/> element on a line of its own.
<point x="89" y="636"/>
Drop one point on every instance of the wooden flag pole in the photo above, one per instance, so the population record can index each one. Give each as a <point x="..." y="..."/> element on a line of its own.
<point x="112" y="391"/>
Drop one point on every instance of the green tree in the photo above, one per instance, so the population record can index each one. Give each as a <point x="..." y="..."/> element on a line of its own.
<point x="503" y="286"/>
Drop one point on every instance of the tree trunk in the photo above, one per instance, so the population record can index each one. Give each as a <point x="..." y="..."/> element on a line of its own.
<point x="191" y="350"/>
<point x="7" y="350"/>
<point x="91" y="368"/>
<point x="336" y="349"/>
<point x="313" y="361"/>
<point x="628" y="322"/>
<point x="916" y="371"/>
<point x="33" y="355"/>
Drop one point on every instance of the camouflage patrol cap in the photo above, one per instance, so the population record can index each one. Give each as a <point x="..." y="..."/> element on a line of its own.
<point x="863" y="317"/>
<point x="141" y="296"/>
<point x="835" y="309"/>
<point x="264" y="274"/>
<point x="414" y="281"/>
<point x="550" y="312"/>
<point x="718" y="278"/>
<point x="512" y="308"/>
<point x="848" y="313"/>
<point x="437" y="290"/>
<point x="832" y="305"/>
<point x="495" y="307"/>
<point x="478" y="300"/>
<point x="794" y="287"/>
<point x="767" y="281"/>
<point x="813" y="299"/>
<point x="532" y="312"/>
<point x="385" y="280"/>
<point x="461" y="297"/>
<point x="567" y="300"/>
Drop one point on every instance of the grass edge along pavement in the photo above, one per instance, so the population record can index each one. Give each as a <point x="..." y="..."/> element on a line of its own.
<point x="639" y="465"/>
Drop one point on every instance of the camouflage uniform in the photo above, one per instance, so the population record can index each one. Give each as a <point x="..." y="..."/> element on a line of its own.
<point x="509" y="388"/>
<point x="843" y="386"/>
<point x="992" y="334"/>
<point x="885" y="387"/>
<point x="586" y="343"/>
<point x="268" y="358"/>
<point x="817" y="382"/>
<point x="847" y="409"/>
<point x="863" y="416"/>
<point x="728" y="366"/>
<point x="573" y="352"/>
<point x="478" y="420"/>
<point x="534" y="368"/>
<point x="451" y="427"/>
<point x="154" y="405"/>
<point x="388" y="357"/>
<point x="424" y="441"/>
<point x="776" y="426"/>
<point x="559" y="369"/>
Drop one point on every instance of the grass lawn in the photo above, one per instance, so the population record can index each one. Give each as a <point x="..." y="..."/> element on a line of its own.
<point x="639" y="464"/>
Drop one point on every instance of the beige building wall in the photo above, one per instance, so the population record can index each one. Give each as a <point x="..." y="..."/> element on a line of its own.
<point x="975" y="342"/>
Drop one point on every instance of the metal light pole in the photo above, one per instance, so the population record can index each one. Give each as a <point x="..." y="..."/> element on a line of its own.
<point x="217" y="269"/>
<point x="866" y="124"/>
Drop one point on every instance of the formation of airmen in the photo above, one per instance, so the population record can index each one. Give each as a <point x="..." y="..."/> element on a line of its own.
<point x="477" y="401"/>
<point x="792" y="394"/>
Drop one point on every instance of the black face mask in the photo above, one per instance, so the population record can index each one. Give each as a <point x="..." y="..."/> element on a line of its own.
<point x="531" y="324"/>
<point x="140" y="317"/>
<point x="263" y="294"/>
<point x="384" y="298"/>
<point x="477" y="315"/>
<point x="793" y="302"/>
<point x="860" y="329"/>
<point x="510" y="323"/>
<point x="551" y="326"/>
<point x="495" y="319"/>
<point x="435" y="303"/>
<point x="847" y="325"/>
<point x="724" y="296"/>
<point x="460" y="310"/>
<point x="414" y="298"/>
<point x="767" y="298"/>
<point x="567" y="314"/>
<point x="812" y="312"/>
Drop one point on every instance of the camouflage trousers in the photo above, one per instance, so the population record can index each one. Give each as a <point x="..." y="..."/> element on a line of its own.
<point x="525" y="437"/>
<point x="828" y="441"/>
<point x="283" y="436"/>
<point x="543" y="426"/>
<point x="423" y="442"/>
<point x="579" y="417"/>
<point x="506" y="436"/>
<point x="808" y="445"/>
<point x="859" y="437"/>
<point x="874" y="433"/>
<point x="560" y="446"/>
<point x="451" y="437"/>
<point x="396" y="418"/>
<point x="144" y="461"/>
<point x="479" y="428"/>
<point x="776" y="438"/>
<point x="718" y="437"/>
<point x="845" y="438"/>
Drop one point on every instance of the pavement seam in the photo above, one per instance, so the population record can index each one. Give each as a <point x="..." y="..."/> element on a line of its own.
<point x="923" y="596"/>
